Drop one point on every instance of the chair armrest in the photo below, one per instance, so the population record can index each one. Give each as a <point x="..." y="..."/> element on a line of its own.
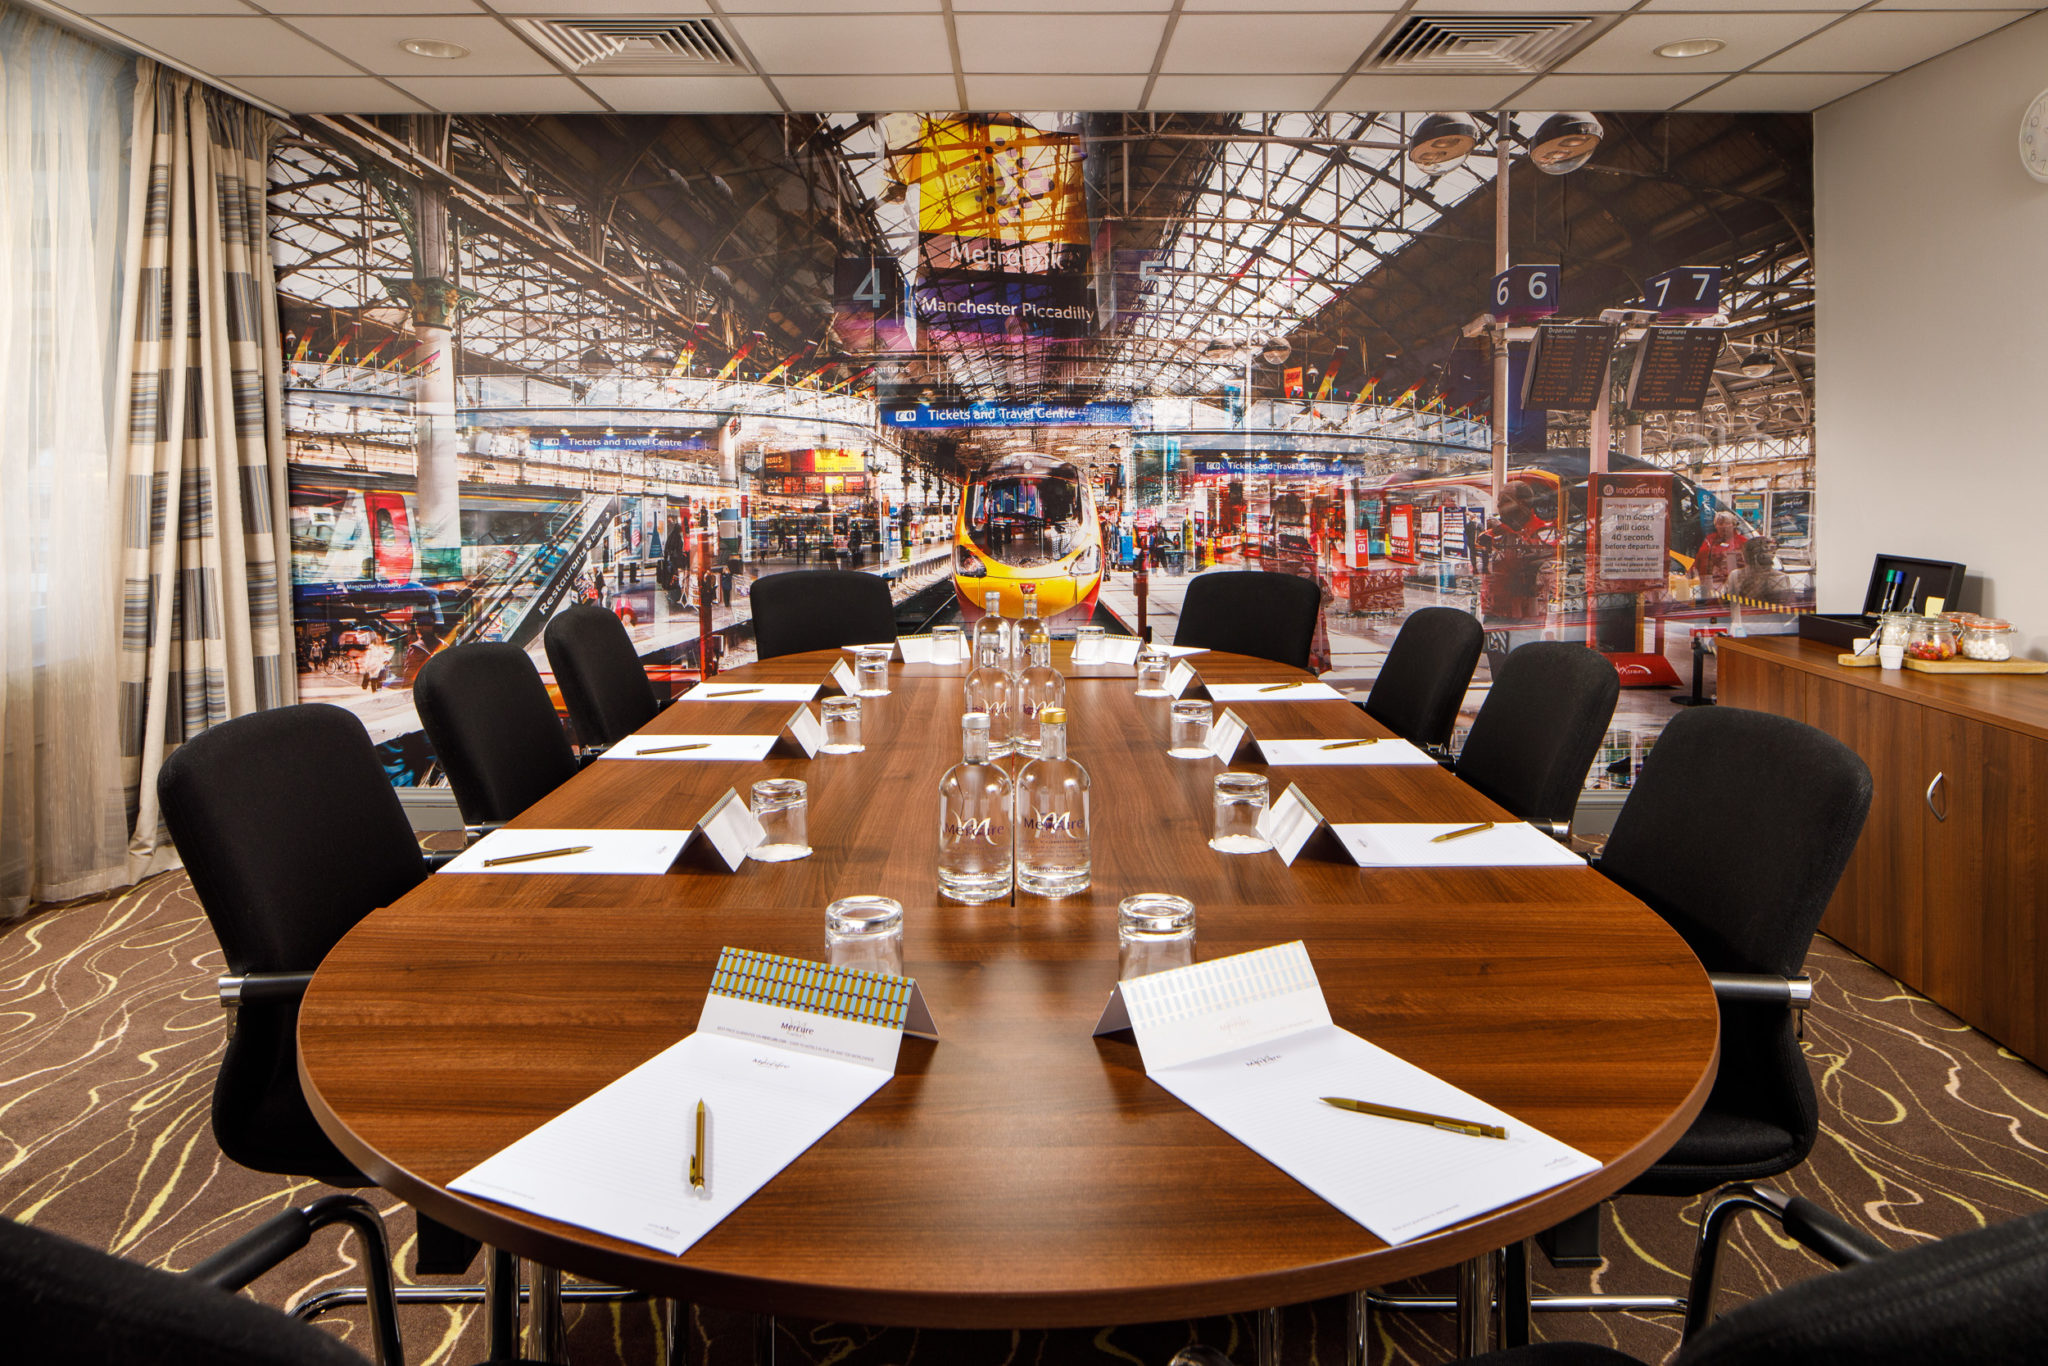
<point x="1811" y="1225"/>
<point x="267" y="1246"/>
<point x="1796" y="992"/>
<point x="437" y="859"/>
<point x="263" y="986"/>
<point x="1561" y="831"/>
<point x="1825" y="1233"/>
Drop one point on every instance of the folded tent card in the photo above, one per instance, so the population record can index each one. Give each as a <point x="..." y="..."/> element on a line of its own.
<point x="784" y="1050"/>
<point x="1294" y="826"/>
<point x="1111" y="650"/>
<point x="1248" y="1043"/>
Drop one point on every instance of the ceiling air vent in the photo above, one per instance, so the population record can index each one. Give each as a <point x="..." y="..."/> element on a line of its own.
<point x="636" y="47"/>
<point x="1478" y="44"/>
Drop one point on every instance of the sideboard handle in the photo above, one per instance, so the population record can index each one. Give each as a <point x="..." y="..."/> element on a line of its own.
<point x="1940" y="813"/>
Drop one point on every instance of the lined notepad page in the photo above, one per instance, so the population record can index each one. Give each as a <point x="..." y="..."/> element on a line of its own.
<point x="619" y="1162"/>
<point x="1303" y="753"/>
<point x="1510" y="844"/>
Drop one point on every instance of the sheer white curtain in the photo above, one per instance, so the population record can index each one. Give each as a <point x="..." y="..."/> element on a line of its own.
<point x="64" y="116"/>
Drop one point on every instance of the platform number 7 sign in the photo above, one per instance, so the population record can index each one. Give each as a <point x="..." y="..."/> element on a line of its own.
<point x="1693" y="291"/>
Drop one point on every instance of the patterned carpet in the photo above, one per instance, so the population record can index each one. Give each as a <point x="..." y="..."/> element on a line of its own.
<point x="110" y="1032"/>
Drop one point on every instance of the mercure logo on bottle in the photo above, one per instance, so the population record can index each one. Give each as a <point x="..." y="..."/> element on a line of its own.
<point x="1053" y="822"/>
<point x="984" y="829"/>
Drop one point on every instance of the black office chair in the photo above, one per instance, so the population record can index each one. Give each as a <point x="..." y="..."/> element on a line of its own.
<point x="820" y="609"/>
<point x="1539" y="731"/>
<point x="494" y="729"/>
<point x="66" y="1304"/>
<point x="1736" y="833"/>
<point x="1251" y="612"/>
<point x="1977" y="1299"/>
<point x="600" y="675"/>
<point x="1423" y="681"/>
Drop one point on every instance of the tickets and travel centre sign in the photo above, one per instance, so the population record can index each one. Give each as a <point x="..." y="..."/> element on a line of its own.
<point x="926" y="416"/>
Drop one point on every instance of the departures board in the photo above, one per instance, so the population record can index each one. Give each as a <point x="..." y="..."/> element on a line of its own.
<point x="1568" y="366"/>
<point x="1674" y="369"/>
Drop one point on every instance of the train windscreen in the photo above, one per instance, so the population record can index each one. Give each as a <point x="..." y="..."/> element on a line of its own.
<point x="1027" y="520"/>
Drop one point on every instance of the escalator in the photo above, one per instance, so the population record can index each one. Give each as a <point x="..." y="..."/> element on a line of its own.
<point x="516" y="603"/>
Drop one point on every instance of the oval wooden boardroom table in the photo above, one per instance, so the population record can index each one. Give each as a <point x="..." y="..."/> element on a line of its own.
<point x="1019" y="1172"/>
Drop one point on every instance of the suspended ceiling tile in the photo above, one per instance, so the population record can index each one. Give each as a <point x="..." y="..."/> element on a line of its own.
<point x="1104" y="94"/>
<point x="1741" y="94"/>
<point x="235" y="47"/>
<point x="1613" y="92"/>
<point x="666" y="9"/>
<point x="1385" y="8"/>
<point x="823" y="6"/>
<point x="1953" y="4"/>
<point x="1874" y="41"/>
<point x="412" y="7"/>
<point x="500" y="94"/>
<point x="1063" y="43"/>
<point x="1534" y="6"/>
<point x="330" y="94"/>
<point x="1399" y="94"/>
<point x="834" y="45"/>
<point x="1213" y="94"/>
<point x="373" y="43"/>
<point x="842" y="94"/>
<point x="1836" y="6"/>
<point x="1630" y="45"/>
<point x="1071" y="6"/>
<point x="97" y="8"/>
<point x="1276" y="43"/>
<point x="685" y="94"/>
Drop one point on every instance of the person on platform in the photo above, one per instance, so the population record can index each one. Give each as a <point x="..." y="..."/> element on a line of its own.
<point x="675" y="566"/>
<point x="1720" y="555"/>
<point x="1518" y="553"/>
<point x="1760" y="582"/>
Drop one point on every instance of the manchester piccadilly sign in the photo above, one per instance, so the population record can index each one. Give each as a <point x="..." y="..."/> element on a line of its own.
<point x="1010" y="415"/>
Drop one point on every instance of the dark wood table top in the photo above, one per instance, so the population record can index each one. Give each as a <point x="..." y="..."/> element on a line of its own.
<point x="1019" y="1172"/>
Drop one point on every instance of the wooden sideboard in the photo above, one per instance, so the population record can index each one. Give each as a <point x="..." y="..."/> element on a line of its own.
<point x="1948" y="888"/>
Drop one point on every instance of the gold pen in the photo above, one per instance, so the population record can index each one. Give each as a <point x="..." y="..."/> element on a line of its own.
<point x="677" y="749"/>
<point x="1279" y="687"/>
<point x="1347" y="744"/>
<point x="1456" y="1126"/>
<point x="1460" y="834"/>
<point x="697" y="1153"/>
<point x="542" y="853"/>
<point x="729" y="692"/>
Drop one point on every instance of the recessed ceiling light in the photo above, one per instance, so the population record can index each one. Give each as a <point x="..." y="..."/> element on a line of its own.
<point x="435" y="49"/>
<point x="1690" y="47"/>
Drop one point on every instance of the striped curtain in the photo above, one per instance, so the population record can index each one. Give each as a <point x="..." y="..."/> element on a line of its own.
<point x="205" y="577"/>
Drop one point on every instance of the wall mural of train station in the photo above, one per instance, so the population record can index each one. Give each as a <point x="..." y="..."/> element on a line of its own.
<point x="640" y="361"/>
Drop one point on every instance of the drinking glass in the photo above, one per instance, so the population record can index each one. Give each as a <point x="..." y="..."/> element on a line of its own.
<point x="865" y="932"/>
<point x="1154" y="931"/>
<point x="871" y="673"/>
<point x="1241" y="800"/>
<point x="1088" y="644"/>
<point x="1151" y="672"/>
<point x="842" y="726"/>
<point x="781" y="805"/>
<point x="1190" y="739"/>
<point x="948" y="646"/>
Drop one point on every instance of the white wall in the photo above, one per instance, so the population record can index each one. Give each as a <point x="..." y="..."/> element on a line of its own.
<point x="1931" y="276"/>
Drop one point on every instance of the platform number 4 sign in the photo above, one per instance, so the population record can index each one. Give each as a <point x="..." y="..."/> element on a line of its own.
<point x="1685" y="291"/>
<point x="1525" y="292"/>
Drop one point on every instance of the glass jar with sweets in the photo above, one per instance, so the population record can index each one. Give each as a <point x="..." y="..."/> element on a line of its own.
<point x="1930" y="639"/>
<point x="1987" y="638"/>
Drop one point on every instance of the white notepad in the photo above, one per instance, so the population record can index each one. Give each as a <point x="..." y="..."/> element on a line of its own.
<point x="1510" y="844"/>
<point x="1307" y="691"/>
<point x="1302" y="753"/>
<point x="1181" y="651"/>
<point x="732" y="748"/>
<point x="609" y="851"/>
<point x="1248" y="1042"/>
<point x="775" y="1076"/>
<point x="751" y="692"/>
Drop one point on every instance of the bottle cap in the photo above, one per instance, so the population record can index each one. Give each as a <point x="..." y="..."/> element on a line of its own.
<point x="974" y="720"/>
<point x="1052" y="716"/>
<point x="1040" y="638"/>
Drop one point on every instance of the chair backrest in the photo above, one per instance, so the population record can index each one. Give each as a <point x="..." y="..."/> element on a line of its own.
<point x="1737" y="831"/>
<point x="599" y="673"/>
<point x="1427" y="670"/>
<point x="1540" y="728"/>
<point x="820" y="609"/>
<point x="1251" y="612"/>
<point x="1977" y="1298"/>
<point x="494" y="729"/>
<point x="66" y="1304"/>
<point x="290" y="831"/>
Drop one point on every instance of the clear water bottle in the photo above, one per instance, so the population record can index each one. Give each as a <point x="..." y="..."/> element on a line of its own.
<point x="975" y="837"/>
<point x="1038" y="688"/>
<point x="989" y="689"/>
<point x="1053" y="856"/>
<point x="1029" y="625"/>
<point x="991" y="627"/>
